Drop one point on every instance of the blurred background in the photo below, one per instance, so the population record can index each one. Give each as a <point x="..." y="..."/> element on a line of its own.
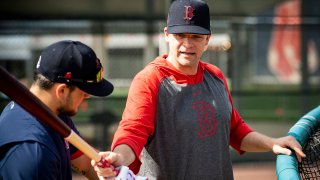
<point x="269" y="50"/>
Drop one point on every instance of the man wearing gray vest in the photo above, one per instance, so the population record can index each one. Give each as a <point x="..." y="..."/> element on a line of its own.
<point x="179" y="118"/>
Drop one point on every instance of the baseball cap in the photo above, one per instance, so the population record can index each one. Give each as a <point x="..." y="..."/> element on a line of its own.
<point x="188" y="16"/>
<point x="73" y="62"/>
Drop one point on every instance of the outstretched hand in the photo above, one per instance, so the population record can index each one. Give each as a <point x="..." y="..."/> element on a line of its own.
<point x="119" y="173"/>
<point x="286" y="144"/>
<point x="106" y="172"/>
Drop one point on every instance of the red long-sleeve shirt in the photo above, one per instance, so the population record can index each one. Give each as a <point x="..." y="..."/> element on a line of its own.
<point x="179" y="119"/>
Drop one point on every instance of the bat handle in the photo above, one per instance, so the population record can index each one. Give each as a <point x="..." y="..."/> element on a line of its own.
<point x="105" y="164"/>
<point x="88" y="150"/>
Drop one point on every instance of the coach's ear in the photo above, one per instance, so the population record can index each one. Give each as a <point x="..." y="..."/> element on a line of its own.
<point x="166" y="34"/>
<point x="207" y="42"/>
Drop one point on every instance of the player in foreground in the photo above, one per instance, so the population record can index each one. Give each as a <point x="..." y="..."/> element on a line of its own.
<point x="179" y="119"/>
<point x="67" y="73"/>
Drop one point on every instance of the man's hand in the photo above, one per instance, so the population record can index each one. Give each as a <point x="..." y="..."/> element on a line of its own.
<point x="282" y="144"/>
<point x="106" y="172"/>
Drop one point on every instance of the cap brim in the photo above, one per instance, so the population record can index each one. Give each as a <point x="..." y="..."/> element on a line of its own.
<point x="188" y="29"/>
<point x="103" y="88"/>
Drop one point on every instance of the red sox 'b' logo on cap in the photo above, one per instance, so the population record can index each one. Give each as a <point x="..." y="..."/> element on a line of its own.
<point x="188" y="13"/>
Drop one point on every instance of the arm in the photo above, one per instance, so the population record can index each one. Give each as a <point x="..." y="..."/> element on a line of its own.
<point x="257" y="142"/>
<point x="83" y="166"/>
<point x="136" y="126"/>
<point x="138" y="119"/>
<point x="126" y="155"/>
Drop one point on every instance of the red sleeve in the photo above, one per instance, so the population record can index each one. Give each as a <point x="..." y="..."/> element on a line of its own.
<point x="75" y="155"/>
<point x="238" y="128"/>
<point x="137" y="122"/>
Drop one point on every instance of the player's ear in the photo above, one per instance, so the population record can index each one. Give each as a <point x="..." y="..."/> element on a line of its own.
<point x="61" y="90"/>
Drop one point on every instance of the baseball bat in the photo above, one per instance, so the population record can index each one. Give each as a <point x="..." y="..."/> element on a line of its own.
<point x="17" y="92"/>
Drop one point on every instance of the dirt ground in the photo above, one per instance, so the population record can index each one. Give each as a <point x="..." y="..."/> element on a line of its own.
<point x="243" y="171"/>
<point x="255" y="171"/>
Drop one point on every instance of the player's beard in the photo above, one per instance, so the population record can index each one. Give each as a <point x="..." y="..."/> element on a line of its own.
<point x="66" y="108"/>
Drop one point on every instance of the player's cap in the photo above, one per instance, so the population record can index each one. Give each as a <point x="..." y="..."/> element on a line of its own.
<point x="73" y="62"/>
<point x="188" y="16"/>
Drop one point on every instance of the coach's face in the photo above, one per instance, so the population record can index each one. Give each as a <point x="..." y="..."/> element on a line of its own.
<point x="186" y="50"/>
<point x="71" y="100"/>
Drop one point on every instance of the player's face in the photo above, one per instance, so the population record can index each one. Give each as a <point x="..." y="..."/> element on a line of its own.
<point x="72" y="102"/>
<point x="186" y="50"/>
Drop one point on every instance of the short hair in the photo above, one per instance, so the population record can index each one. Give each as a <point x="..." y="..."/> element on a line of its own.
<point x="45" y="84"/>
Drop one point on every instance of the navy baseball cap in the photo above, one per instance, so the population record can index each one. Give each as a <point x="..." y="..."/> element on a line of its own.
<point x="188" y="16"/>
<point x="73" y="62"/>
